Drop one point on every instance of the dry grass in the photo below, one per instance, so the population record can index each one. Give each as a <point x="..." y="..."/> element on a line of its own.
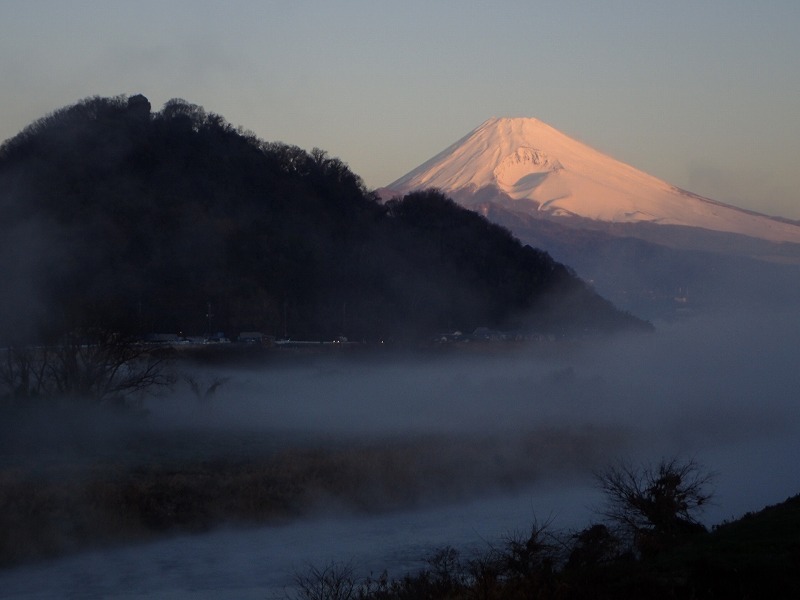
<point x="110" y="503"/>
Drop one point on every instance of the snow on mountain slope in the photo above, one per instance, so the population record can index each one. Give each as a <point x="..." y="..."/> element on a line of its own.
<point x="534" y="168"/>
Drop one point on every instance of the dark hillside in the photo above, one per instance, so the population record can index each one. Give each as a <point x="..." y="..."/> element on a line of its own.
<point x="753" y="557"/>
<point x="114" y="215"/>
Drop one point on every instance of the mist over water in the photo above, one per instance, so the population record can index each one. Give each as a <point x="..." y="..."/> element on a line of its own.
<point x="720" y="389"/>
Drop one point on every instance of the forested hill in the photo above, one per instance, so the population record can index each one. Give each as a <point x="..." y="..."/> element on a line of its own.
<point x="114" y="215"/>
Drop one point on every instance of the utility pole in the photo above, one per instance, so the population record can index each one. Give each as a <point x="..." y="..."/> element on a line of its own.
<point x="285" y="319"/>
<point x="209" y="314"/>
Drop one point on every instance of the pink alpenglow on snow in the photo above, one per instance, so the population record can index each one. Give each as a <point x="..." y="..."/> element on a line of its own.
<point x="529" y="166"/>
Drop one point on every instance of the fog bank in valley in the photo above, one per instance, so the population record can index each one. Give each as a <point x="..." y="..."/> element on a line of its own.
<point x="487" y="440"/>
<point x="698" y="388"/>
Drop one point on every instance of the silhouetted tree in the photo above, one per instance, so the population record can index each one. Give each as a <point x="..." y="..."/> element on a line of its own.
<point x="593" y="547"/>
<point x="334" y="581"/>
<point x="657" y="505"/>
<point x="96" y="366"/>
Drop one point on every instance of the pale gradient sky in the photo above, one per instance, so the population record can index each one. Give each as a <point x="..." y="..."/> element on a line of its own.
<point x="703" y="94"/>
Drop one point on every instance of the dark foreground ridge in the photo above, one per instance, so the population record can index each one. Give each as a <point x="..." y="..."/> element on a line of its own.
<point x="756" y="556"/>
<point x="174" y="222"/>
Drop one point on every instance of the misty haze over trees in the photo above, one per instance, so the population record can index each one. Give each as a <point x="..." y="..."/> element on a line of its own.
<point x="117" y="217"/>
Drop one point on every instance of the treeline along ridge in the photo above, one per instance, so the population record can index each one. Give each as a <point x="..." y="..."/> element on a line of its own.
<point x="120" y="217"/>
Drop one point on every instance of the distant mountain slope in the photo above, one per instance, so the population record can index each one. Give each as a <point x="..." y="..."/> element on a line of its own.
<point x="649" y="247"/>
<point x="658" y="271"/>
<point x="525" y="165"/>
<point x="168" y="221"/>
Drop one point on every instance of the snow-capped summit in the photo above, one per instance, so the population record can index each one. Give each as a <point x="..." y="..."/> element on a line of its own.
<point x="530" y="167"/>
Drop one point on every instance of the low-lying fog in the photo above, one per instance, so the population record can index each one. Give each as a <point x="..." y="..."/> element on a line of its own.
<point x="723" y="391"/>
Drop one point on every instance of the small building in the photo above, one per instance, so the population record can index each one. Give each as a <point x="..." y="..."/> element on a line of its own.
<point x="250" y="337"/>
<point x="162" y="338"/>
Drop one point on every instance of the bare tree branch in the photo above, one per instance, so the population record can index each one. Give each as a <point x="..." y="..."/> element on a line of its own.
<point x="96" y="364"/>
<point x="660" y="502"/>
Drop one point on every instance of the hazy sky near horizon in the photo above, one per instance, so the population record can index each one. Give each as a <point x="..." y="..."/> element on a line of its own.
<point x="701" y="94"/>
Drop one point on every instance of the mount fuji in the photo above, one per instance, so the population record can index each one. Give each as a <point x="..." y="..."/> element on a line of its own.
<point x="648" y="246"/>
<point x="528" y="167"/>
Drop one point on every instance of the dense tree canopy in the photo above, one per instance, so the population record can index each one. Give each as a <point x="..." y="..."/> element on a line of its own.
<point x="113" y="215"/>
